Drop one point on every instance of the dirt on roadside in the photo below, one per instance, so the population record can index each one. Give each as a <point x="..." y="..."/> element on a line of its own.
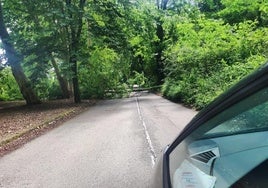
<point x="20" y="123"/>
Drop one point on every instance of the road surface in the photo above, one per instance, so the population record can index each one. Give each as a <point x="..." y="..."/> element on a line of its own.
<point x="112" y="145"/>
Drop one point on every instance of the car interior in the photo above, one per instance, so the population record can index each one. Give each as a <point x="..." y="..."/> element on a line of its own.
<point x="229" y="150"/>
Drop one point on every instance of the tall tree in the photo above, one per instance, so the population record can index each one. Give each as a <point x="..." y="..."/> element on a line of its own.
<point x="75" y="13"/>
<point x="37" y="32"/>
<point x="62" y="81"/>
<point x="162" y="6"/>
<point x="14" y="60"/>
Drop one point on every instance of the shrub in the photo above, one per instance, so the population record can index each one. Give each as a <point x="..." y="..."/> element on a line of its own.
<point x="9" y="89"/>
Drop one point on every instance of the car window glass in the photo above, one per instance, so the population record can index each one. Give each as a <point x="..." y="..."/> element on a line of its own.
<point x="251" y="120"/>
<point x="227" y="151"/>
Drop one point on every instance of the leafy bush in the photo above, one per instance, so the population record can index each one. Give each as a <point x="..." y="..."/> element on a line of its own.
<point x="209" y="57"/>
<point x="9" y="89"/>
<point x="54" y="91"/>
<point x="138" y="79"/>
<point x="172" y="90"/>
<point x="102" y="74"/>
<point x="203" y="90"/>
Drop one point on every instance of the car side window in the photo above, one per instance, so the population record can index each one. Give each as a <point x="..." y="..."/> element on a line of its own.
<point x="254" y="119"/>
<point x="230" y="150"/>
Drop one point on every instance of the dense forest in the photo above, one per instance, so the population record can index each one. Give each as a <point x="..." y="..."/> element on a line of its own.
<point x="81" y="49"/>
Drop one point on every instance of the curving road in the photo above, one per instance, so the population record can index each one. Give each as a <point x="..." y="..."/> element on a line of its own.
<point x="114" y="144"/>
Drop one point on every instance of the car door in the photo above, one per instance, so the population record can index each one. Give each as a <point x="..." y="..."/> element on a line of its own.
<point x="226" y="144"/>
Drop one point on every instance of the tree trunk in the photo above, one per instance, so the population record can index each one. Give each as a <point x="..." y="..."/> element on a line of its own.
<point x="75" y="34"/>
<point x="159" y="50"/>
<point x="73" y="61"/>
<point x="159" y="44"/>
<point x="14" y="60"/>
<point x="61" y="80"/>
<point x="164" y="4"/>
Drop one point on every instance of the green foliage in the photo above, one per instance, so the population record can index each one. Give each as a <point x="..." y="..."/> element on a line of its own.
<point x="54" y="91"/>
<point x="9" y="89"/>
<point x="203" y="47"/>
<point x="138" y="79"/>
<point x="236" y="11"/>
<point x="209" y="56"/>
<point x="172" y="90"/>
<point x="213" y="86"/>
<point x="144" y="43"/>
<point x="210" y="6"/>
<point x="102" y="74"/>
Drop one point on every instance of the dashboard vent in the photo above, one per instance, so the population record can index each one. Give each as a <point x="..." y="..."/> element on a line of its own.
<point x="204" y="157"/>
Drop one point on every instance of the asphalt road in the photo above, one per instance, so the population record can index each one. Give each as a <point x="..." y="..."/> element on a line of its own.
<point x="112" y="145"/>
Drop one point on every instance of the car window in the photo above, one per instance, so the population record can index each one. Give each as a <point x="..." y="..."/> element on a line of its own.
<point x="227" y="151"/>
<point x="250" y="121"/>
